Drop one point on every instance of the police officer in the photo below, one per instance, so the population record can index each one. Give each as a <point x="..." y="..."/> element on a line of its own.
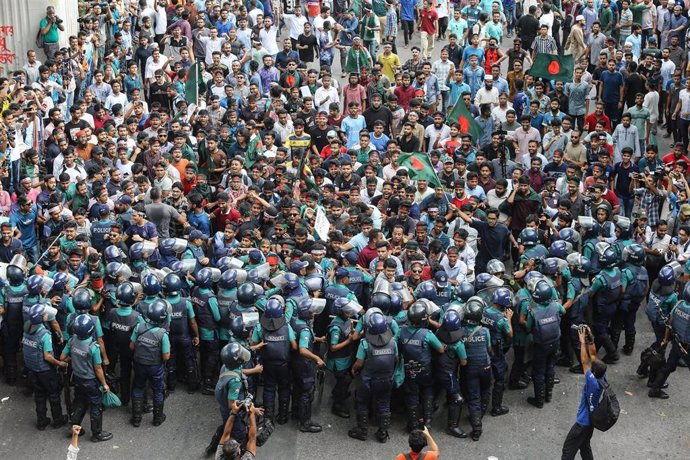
<point x="240" y="331"/>
<point x="305" y="363"/>
<point x="85" y="357"/>
<point x="169" y="248"/>
<point x="226" y="296"/>
<point x="151" y="288"/>
<point x="529" y="238"/>
<point x="39" y="360"/>
<point x="590" y="231"/>
<point x="337" y="287"/>
<point x="339" y="359"/>
<point x="518" y="379"/>
<point x="358" y="281"/>
<point x="195" y="251"/>
<point x="498" y="269"/>
<point x="13" y="294"/>
<point x="446" y="367"/>
<point x="293" y="292"/>
<point x="62" y="302"/>
<point x="247" y="299"/>
<point x="662" y="299"/>
<point x="607" y="290"/>
<point x="207" y="312"/>
<point x="497" y="319"/>
<point x="231" y="390"/>
<point x="151" y="346"/>
<point x="183" y="334"/>
<point x="278" y="336"/>
<point x="635" y="272"/>
<point x="579" y="267"/>
<point x="415" y="342"/>
<point x="543" y="320"/>
<point x="82" y="301"/>
<point x="138" y="260"/>
<point x="119" y="324"/>
<point x="678" y="331"/>
<point x="476" y="374"/>
<point x="376" y="359"/>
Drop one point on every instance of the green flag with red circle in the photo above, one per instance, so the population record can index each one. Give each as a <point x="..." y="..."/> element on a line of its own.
<point x="553" y="67"/>
<point x="461" y="115"/>
<point x="419" y="167"/>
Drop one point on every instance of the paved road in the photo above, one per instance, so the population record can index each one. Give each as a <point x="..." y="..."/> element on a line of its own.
<point x="647" y="428"/>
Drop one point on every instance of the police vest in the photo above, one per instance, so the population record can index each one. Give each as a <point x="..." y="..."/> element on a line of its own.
<point x="82" y="361"/>
<point x="446" y="362"/>
<point x="476" y="346"/>
<point x="298" y="326"/>
<point x="277" y="349"/>
<point x="121" y="327"/>
<point x="202" y="308"/>
<point x="356" y="284"/>
<point x="99" y="230"/>
<point x="32" y="351"/>
<point x="14" y="300"/>
<point x="657" y="296"/>
<point x="345" y="327"/>
<point x="221" y="390"/>
<point x="490" y="320"/>
<point x="149" y="342"/>
<point x="379" y="362"/>
<point x="444" y="296"/>
<point x="179" y="325"/>
<point x="413" y="346"/>
<point x="167" y="261"/>
<point x="224" y="302"/>
<point x="576" y="312"/>
<point x="640" y="280"/>
<point x="297" y="297"/>
<point x="333" y="292"/>
<point x="547" y="324"/>
<point x="197" y="254"/>
<point x="681" y="321"/>
<point x="611" y="292"/>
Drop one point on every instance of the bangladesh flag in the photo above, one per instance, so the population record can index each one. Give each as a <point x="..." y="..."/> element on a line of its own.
<point x="553" y="67"/>
<point x="419" y="167"/>
<point x="464" y="118"/>
<point x="192" y="85"/>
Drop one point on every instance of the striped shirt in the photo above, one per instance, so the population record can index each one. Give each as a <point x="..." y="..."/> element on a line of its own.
<point x="545" y="45"/>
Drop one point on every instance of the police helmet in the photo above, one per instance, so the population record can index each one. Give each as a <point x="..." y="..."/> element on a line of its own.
<point x="550" y="266"/>
<point x="634" y="254"/>
<point x="224" y="263"/>
<point x="234" y="355"/>
<point x="136" y="252"/>
<point x="238" y="329"/>
<point x="34" y="284"/>
<point x="474" y="310"/>
<point x="292" y="280"/>
<point x="567" y="234"/>
<point x="345" y="307"/>
<point x="15" y="275"/>
<point x="528" y="237"/>
<point x="667" y="275"/>
<point x="452" y="321"/>
<point x="81" y="299"/>
<point x="495" y="266"/>
<point x="172" y="284"/>
<point x="426" y="290"/>
<point x="609" y="258"/>
<point x="157" y="312"/>
<point x="246" y="294"/>
<point x="150" y="285"/>
<point x="228" y="280"/>
<point x="308" y="307"/>
<point x="485" y="280"/>
<point x="60" y="280"/>
<point x="204" y="278"/>
<point x="542" y="293"/>
<point x="533" y="275"/>
<point x="36" y="313"/>
<point x="560" y="249"/>
<point x="417" y="313"/>
<point x="381" y="300"/>
<point x="125" y="294"/>
<point x="112" y="254"/>
<point x="465" y="290"/>
<point x="502" y="297"/>
<point x="396" y="304"/>
<point x="274" y="308"/>
<point x="580" y="265"/>
<point x="84" y="325"/>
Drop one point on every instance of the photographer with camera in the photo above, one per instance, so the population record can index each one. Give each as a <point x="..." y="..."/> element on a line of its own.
<point x="48" y="32"/>
<point x="231" y="449"/>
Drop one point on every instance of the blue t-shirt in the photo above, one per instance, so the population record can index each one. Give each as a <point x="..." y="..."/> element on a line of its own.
<point x="612" y="83"/>
<point x="591" y="393"/>
<point x="26" y="223"/>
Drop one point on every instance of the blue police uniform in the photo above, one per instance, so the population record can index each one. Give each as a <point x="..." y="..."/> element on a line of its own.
<point x="476" y="375"/>
<point x="151" y="344"/>
<point x="181" y="342"/>
<point x="119" y="324"/>
<point x="545" y="323"/>
<point x="12" y="329"/>
<point x="680" y="329"/>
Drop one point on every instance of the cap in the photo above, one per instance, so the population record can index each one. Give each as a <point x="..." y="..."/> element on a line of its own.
<point x="350" y="256"/>
<point x="652" y="40"/>
<point x="197" y="234"/>
<point x="488" y="77"/>
<point x="412" y="245"/>
<point x="297" y="266"/>
<point x="341" y="273"/>
<point x="580" y="18"/>
<point x="685" y="209"/>
<point x="441" y="279"/>
<point x="448" y="160"/>
<point x="331" y="133"/>
<point x="124" y="199"/>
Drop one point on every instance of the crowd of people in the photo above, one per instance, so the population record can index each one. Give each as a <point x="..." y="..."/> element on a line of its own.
<point x="190" y="192"/>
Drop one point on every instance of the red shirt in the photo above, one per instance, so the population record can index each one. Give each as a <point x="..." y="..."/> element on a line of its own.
<point x="670" y="159"/>
<point x="366" y="255"/>
<point x="592" y="119"/>
<point x="428" y="21"/>
<point x="404" y="96"/>
<point x="457" y="202"/>
<point x="223" y="218"/>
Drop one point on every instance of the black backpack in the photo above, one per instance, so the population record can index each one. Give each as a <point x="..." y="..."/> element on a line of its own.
<point x="605" y="415"/>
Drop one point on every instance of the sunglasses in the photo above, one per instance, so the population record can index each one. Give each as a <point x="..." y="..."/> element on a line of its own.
<point x="416" y="271"/>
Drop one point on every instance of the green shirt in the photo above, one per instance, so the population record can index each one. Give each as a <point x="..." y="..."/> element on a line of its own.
<point x="52" y="35"/>
<point x="640" y="117"/>
<point x="334" y="334"/>
<point x="368" y="21"/>
<point x="95" y="350"/>
<point x="258" y="334"/>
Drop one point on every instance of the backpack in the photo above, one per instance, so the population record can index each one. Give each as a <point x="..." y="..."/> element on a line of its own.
<point x="605" y="415"/>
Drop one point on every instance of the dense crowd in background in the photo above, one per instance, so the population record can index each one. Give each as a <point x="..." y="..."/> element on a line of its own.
<point x="222" y="193"/>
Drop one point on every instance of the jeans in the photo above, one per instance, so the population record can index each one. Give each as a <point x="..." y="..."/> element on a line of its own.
<point x="510" y="17"/>
<point x="578" y="439"/>
<point x="626" y="205"/>
<point x="683" y="126"/>
<point x="613" y="112"/>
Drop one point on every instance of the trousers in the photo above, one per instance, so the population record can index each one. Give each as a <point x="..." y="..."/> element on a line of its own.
<point x="578" y="439"/>
<point x="153" y="374"/>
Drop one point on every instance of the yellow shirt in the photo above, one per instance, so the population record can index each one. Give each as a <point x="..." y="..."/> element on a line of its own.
<point x="388" y="63"/>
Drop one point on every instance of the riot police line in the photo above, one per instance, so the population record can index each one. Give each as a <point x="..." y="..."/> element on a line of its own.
<point x="229" y="330"/>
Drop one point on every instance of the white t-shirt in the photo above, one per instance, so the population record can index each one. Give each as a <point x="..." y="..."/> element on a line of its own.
<point x="269" y="40"/>
<point x="321" y="95"/>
